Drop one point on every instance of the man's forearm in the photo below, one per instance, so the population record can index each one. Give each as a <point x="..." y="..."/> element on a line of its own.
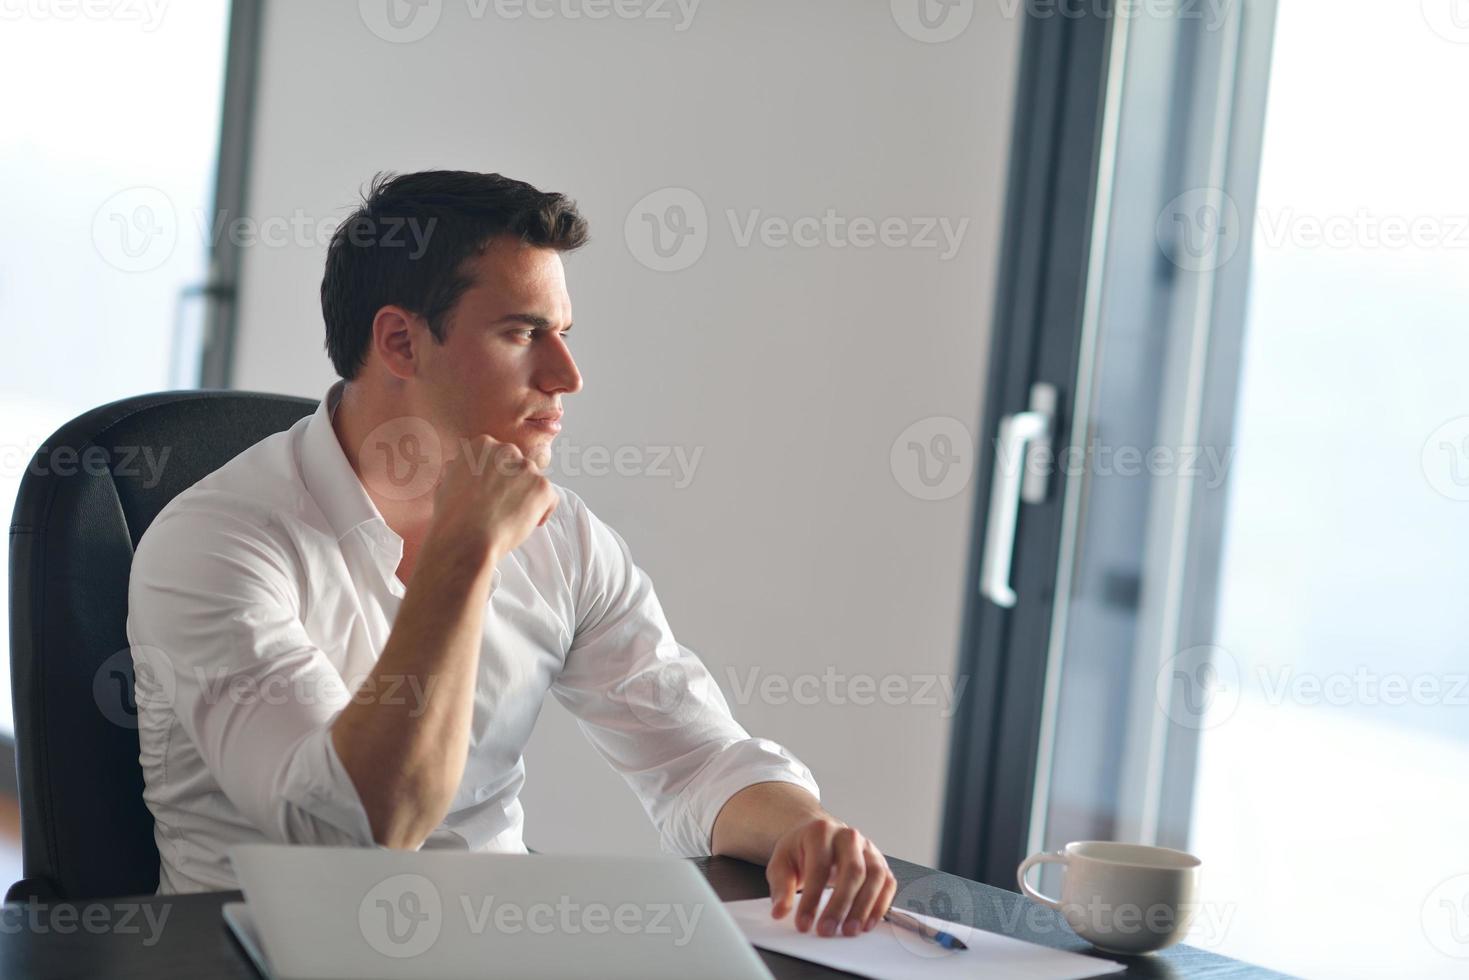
<point x="751" y="821"/>
<point x="407" y="759"/>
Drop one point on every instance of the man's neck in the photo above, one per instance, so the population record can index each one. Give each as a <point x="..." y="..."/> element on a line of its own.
<point x="357" y="415"/>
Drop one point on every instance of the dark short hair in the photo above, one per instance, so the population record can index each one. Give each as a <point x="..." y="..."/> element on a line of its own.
<point x="408" y="243"/>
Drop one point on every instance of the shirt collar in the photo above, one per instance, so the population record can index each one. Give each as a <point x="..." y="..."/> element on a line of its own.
<point x="335" y="487"/>
<point x="340" y="495"/>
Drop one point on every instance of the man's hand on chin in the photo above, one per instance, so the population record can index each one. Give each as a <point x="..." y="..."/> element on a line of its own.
<point x="824" y="851"/>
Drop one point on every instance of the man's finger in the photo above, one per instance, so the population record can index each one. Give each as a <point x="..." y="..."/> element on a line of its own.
<point x="846" y="846"/>
<point x="884" y="902"/>
<point x="872" y="885"/>
<point x="817" y="867"/>
<point x="783" y="882"/>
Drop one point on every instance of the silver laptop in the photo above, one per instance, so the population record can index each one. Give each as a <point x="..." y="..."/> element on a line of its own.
<point x="313" y="913"/>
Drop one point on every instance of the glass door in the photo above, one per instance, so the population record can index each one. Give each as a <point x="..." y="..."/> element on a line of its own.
<point x="1256" y="641"/>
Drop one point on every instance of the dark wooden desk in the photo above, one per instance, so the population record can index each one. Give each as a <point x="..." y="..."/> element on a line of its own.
<point x="185" y="938"/>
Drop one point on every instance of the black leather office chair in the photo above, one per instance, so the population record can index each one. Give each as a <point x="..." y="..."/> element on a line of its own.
<point x="84" y="502"/>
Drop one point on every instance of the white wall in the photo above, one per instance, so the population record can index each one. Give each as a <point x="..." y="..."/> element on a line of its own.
<point x="795" y="550"/>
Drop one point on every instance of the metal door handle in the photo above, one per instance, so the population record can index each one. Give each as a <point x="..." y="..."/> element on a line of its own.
<point x="1020" y="436"/>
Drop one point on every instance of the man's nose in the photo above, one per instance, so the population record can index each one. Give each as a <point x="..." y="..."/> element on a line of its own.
<point x="559" y="373"/>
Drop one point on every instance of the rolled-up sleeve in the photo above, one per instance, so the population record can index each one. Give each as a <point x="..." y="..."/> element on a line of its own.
<point x="648" y="704"/>
<point x="217" y="642"/>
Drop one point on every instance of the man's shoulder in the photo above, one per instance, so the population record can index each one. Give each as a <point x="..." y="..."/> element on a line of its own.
<point x="559" y="531"/>
<point x="588" y="540"/>
<point x="573" y="519"/>
<point x="568" y="499"/>
<point x="260" y="488"/>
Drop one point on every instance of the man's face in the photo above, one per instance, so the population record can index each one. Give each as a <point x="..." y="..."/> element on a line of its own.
<point x="504" y="361"/>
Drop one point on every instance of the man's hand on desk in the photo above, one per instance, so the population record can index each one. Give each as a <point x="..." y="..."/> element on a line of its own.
<point x="826" y="851"/>
<point x="804" y="847"/>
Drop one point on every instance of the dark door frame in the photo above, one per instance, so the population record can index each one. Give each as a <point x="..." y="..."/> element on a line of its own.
<point x="1057" y="139"/>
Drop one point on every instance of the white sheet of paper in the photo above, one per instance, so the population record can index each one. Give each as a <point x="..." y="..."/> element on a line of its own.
<point x="890" y="953"/>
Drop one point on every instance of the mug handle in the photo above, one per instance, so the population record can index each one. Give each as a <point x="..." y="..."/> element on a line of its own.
<point x="1048" y="857"/>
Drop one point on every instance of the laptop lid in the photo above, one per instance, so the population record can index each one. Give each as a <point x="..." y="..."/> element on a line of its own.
<point x="379" y="914"/>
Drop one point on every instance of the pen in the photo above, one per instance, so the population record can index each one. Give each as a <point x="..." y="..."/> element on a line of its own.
<point x="905" y="921"/>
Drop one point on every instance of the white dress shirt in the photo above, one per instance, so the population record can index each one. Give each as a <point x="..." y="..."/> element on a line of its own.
<point x="260" y="600"/>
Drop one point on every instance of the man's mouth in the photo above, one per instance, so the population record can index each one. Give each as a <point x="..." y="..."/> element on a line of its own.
<point x="549" y="422"/>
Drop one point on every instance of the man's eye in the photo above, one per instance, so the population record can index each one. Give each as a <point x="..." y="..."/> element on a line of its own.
<point x="527" y="334"/>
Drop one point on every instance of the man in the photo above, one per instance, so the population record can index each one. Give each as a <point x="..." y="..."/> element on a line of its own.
<point x="345" y="634"/>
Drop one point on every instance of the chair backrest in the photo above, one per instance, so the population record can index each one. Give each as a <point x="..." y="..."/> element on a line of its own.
<point x="84" y="502"/>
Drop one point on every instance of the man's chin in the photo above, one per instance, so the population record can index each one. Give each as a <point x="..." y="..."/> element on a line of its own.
<point x="535" y="447"/>
<point x="539" y="452"/>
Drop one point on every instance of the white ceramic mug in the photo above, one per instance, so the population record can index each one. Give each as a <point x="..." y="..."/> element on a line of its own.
<point x="1122" y="898"/>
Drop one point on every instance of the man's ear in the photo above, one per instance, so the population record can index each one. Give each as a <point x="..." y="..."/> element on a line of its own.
<point x="396" y="338"/>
